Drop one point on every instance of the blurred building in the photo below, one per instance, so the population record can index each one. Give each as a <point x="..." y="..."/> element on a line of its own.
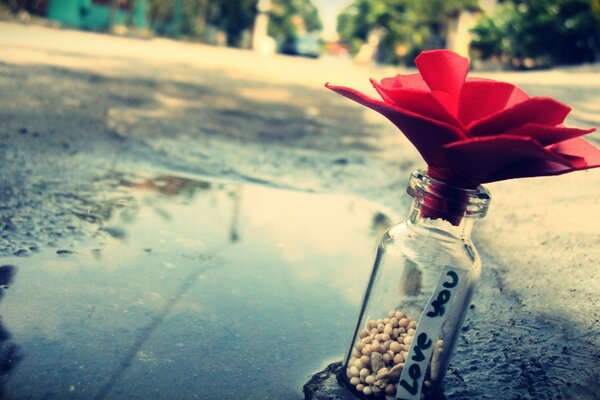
<point x="99" y="14"/>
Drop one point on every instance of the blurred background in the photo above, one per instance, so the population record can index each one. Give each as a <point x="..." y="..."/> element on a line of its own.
<point x="516" y="34"/>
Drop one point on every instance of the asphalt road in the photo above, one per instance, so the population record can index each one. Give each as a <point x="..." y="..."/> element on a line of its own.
<point x="76" y="107"/>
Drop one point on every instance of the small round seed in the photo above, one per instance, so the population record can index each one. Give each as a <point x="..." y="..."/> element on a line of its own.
<point x="353" y="371"/>
<point x="365" y="360"/>
<point x="390" y="389"/>
<point x="398" y="358"/>
<point x="367" y="350"/>
<point x="388" y="329"/>
<point x="394" y="346"/>
<point x="370" y="380"/>
<point x="367" y="391"/>
<point x="355" y="380"/>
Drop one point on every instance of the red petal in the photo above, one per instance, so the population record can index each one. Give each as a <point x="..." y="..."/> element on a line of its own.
<point x="580" y="148"/>
<point x="418" y="101"/>
<point x="444" y="71"/>
<point x="548" y="135"/>
<point x="481" y="98"/>
<point x="410" y="81"/>
<point x="580" y="153"/>
<point x="426" y="134"/>
<point x="540" y="110"/>
<point x="483" y="157"/>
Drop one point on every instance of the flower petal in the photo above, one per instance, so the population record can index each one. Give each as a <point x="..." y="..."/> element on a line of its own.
<point x="426" y="134"/>
<point x="481" y="98"/>
<point x="579" y="148"/>
<point x="548" y="135"/>
<point x="418" y="101"/>
<point x="409" y="81"/>
<point x="482" y="157"/>
<point x="581" y="155"/>
<point x="540" y="110"/>
<point x="444" y="71"/>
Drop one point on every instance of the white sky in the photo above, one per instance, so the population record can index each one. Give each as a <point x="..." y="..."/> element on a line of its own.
<point x="328" y="10"/>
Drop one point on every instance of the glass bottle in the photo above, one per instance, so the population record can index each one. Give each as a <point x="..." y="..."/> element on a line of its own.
<point x="424" y="274"/>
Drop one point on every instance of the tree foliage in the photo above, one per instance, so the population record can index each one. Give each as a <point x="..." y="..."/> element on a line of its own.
<point x="541" y="32"/>
<point x="288" y="18"/>
<point x="406" y="26"/>
<point x="292" y="18"/>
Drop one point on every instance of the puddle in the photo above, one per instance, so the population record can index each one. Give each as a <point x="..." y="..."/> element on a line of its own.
<point x="191" y="289"/>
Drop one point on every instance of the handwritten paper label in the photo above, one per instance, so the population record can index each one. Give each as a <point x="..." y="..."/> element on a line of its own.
<point x="428" y="330"/>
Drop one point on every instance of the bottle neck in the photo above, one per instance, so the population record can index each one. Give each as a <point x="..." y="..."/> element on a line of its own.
<point x="422" y="216"/>
<point x="444" y="207"/>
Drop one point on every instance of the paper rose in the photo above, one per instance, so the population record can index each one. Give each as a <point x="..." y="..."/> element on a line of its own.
<point x="472" y="130"/>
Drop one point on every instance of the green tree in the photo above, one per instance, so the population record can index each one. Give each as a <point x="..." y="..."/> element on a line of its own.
<point x="541" y="32"/>
<point x="408" y="26"/>
<point x="289" y="19"/>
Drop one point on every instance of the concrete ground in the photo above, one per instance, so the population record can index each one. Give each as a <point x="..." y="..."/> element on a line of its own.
<point x="75" y="107"/>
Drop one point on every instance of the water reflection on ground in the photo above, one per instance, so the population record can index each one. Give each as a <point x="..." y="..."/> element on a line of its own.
<point x="192" y="289"/>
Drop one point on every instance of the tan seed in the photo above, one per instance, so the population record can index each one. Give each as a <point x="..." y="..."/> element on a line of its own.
<point x="365" y="360"/>
<point x="355" y="380"/>
<point x="394" y="346"/>
<point x="367" y="350"/>
<point x="367" y="391"/>
<point x="398" y="358"/>
<point x="388" y="329"/>
<point x="370" y="380"/>
<point x="390" y="389"/>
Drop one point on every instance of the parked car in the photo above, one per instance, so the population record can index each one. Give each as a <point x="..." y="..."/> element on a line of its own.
<point x="307" y="46"/>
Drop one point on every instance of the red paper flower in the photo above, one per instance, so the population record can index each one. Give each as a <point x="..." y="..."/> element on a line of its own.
<point x="473" y="130"/>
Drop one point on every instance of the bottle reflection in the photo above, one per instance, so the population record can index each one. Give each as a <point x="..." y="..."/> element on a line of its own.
<point x="10" y="354"/>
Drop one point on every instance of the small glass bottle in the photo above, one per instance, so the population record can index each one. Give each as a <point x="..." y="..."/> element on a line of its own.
<point x="424" y="274"/>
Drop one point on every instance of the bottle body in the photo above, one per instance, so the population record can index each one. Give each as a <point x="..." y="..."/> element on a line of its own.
<point x="423" y="278"/>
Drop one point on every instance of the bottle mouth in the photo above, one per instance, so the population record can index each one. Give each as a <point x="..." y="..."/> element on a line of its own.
<point x="441" y="200"/>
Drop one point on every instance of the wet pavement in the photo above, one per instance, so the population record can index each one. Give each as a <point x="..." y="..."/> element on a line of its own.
<point x="191" y="289"/>
<point x="197" y="227"/>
